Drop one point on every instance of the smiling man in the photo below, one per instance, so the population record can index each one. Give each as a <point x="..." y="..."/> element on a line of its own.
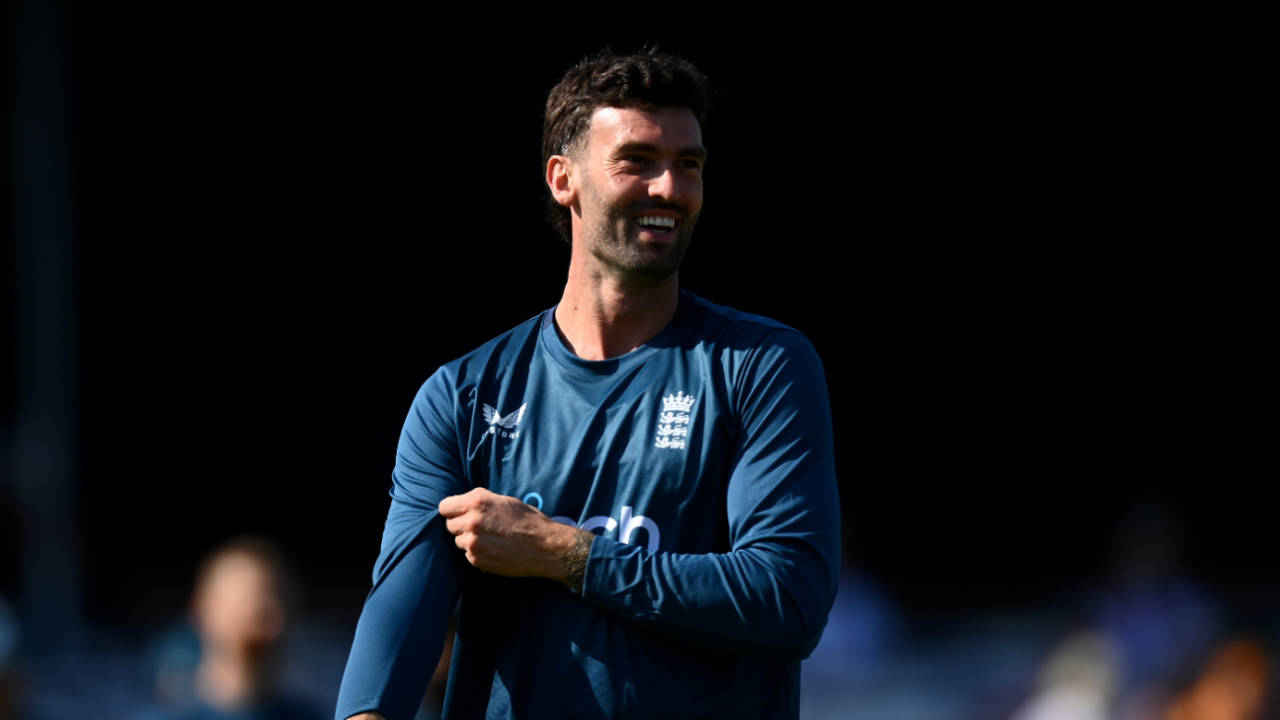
<point x="633" y="493"/>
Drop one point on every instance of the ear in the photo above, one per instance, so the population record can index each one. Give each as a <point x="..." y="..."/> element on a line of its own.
<point x="561" y="178"/>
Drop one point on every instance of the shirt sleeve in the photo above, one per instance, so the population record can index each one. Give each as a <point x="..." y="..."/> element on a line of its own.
<point x="775" y="586"/>
<point x="416" y="579"/>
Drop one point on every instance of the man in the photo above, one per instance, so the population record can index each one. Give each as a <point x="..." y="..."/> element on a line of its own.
<point x="634" y="492"/>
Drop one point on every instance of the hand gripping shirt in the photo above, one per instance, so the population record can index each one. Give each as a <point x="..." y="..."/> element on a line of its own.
<point x="703" y="460"/>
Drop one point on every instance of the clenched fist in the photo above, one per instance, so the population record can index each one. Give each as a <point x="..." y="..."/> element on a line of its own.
<point x="505" y="536"/>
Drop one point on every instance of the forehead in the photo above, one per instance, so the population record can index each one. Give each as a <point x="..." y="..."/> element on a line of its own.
<point x="668" y="127"/>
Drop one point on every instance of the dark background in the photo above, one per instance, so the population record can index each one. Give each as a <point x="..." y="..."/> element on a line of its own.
<point x="1008" y="248"/>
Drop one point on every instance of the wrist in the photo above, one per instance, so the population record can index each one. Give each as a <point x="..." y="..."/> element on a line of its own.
<point x="571" y="559"/>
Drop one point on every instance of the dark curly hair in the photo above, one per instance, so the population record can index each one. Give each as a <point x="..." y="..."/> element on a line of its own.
<point x="646" y="78"/>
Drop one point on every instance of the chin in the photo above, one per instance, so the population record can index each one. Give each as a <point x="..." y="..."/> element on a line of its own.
<point x="655" y="272"/>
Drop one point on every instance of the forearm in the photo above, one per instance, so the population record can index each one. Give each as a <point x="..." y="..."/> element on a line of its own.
<point x="772" y="596"/>
<point x="505" y="536"/>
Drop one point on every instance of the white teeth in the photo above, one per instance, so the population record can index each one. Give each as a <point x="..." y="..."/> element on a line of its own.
<point x="657" y="221"/>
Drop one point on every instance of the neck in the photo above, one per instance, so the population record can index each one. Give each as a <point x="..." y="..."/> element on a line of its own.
<point x="601" y="316"/>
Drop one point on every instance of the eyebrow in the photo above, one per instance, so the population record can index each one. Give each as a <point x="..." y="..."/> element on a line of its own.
<point x="696" y="151"/>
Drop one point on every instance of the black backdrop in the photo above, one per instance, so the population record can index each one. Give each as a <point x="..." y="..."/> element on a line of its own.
<point x="286" y="221"/>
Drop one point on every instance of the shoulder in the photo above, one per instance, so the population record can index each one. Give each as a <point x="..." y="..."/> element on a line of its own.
<point x="712" y="317"/>
<point x="448" y="394"/>
<point x="741" y="338"/>
<point x="766" y="366"/>
<point x="458" y="375"/>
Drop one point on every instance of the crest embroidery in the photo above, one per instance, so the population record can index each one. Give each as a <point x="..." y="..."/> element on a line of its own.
<point x="673" y="424"/>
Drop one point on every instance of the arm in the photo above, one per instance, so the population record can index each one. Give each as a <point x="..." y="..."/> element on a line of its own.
<point x="775" y="586"/>
<point x="417" y="576"/>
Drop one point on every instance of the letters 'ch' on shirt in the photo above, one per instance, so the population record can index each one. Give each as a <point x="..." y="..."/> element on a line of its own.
<point x="704" y="459"/>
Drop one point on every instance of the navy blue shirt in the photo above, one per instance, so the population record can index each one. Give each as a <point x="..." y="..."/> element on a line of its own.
<point x="703" y="459"/>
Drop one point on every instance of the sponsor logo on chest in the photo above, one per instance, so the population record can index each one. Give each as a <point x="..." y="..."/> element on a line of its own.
<point x="625" y="525"/>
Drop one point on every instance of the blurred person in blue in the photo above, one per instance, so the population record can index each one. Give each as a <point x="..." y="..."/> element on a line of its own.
<point x="239" y="610"/>
<point x="633" y="492"/>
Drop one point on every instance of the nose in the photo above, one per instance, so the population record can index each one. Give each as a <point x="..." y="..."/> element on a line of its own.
<point x="663" y="185"/>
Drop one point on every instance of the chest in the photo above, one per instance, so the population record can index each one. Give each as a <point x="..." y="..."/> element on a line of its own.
<point x="638" y="455"/>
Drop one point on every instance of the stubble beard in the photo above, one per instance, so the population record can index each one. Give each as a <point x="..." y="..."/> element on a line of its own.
<point x="616" y="244"/>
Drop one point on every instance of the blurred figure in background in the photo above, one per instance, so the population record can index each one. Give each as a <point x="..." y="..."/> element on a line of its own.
<point x="1233" y="686"/>
<point x="1162" y="620"/>
<point x="1077" y="682"/>
<point x="239" y="610"/>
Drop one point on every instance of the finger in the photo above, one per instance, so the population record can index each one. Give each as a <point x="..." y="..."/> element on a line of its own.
<point x="455" y="505"/>
<point x="452" y="506"/>
<point x="480" y="498"/>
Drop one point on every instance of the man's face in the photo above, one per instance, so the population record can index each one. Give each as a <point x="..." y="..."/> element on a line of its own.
<point x="640" y="189"/>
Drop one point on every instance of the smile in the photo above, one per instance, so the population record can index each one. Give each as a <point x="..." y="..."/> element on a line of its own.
<point x="656" y="222"/>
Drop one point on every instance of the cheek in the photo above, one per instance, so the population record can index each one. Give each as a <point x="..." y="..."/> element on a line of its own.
<point x="694" y="201"/>
<point x="691" y="188"/>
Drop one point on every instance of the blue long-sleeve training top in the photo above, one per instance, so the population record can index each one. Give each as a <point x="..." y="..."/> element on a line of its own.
<point x="704" y="461"/>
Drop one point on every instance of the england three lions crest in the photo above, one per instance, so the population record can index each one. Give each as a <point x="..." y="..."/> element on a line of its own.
<point x="673" y="423"/>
